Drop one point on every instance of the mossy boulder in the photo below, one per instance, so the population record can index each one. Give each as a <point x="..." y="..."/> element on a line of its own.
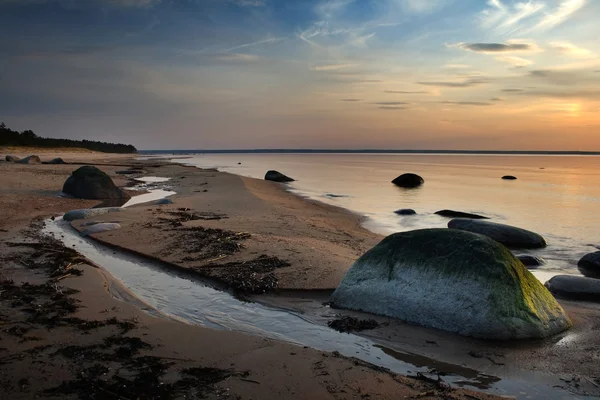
<point x="408" y="181"/>
<point x="451" y="280"/>
<point x="510" y="236"/>
<point x="277" y="176"/>
<point x="89" y="182"/>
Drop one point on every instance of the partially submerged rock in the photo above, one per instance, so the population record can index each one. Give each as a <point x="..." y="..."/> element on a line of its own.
<point x="510" y="236"/>
<point x="30" y="160"/>
<point x="451" y="280"/>
<point x="89" y="182"/>
<point x="277" y="176"/>
<point x="589" y="265"/>
<point x="408" y="181"/>
<point x="88" y="213"/>
<point x="509" y="177"/>
<point x="575" y="287"/>
<point x="57" y="160"/>
<point x="459" y="214"/>
<point x="531" y="261"/>
<point x="162" y="202"/>
<point x="405" y="211"/>
<point x="99" y="228"/>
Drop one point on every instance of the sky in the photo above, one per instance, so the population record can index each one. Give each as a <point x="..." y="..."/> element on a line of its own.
<point x="346" y="74"/>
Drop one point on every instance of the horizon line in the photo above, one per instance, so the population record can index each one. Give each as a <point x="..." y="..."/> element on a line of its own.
<point x="374" y="151"/>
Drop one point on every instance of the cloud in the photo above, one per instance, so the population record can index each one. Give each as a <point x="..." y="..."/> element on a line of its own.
<point x="456" y="66"/>
<point x="361" y="40"/>
<point x="496" y="99"/>
<point x="351" y="100"/>
<point x="391" y="108"/>
<point x="516" y="61"/>
<point x="539" y="73"/>
<point x="330" y="67"/>
<point x="422" y="6"/>
<point x="407" y="92"/>
<point x="256" y="43"/>
<point x="116" y="3"/>
<point x="391" y="103"/>
<point x="237" y="57"/>
<point x="572" y="50"/>
<point x="466" y="103"/>
<point x="564" y="11"/>
<point x="464" y="84"/>
<point x="512" y="90"/>
<point x="510" y="46"/>
<point x="250" y="3"/>
<point x="593" y="95"/>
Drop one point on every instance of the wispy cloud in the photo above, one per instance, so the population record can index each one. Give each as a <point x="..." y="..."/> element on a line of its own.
<point x="405" y="92"/>
<point x="250" y="3"/>
<point x="391" y="108"/>
<point x="457" y="66"/>
<point x="256" y="43"/>
<point x="510" y="90"/>
<point x="564" y="11"/>
<point x="391" y="103"/>
<point x="330" y="67"/>
<point x="511" y="46"/>
<point x="116" y="3"/>
<point x="516" y="61"/>
<point x="458" y="84"/>
<point x="572" y="50"/>
<point x="351" y="100"/>
<point x="466" y="103"/>
<point x="496" y="99"/>
<point x="422" y="6"/>
<point x="237" y="57"/>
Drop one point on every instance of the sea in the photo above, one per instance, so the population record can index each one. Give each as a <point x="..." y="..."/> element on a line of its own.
<point x="557" y="196"/>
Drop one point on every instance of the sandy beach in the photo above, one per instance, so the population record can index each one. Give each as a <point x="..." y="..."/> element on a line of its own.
<point x="70" y="330"/>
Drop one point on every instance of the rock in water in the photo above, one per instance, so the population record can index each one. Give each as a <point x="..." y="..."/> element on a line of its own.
<point x="589" y="265"/>
<point x="408" y="181"/>
<point x="89" y="182"/>
<point x="509" y="178"/>
<point x="10" y="158"/>
<point x="100" y="227"/>
<point x="575" y="287"/>
<point x="459" y="214"/>
<point x="509" y="236"/>
<point x="30" y="160"/>
<point x="277" y="176"/>
<point x="405" y="211"/>
<point x="531" y="261"/>
<point x="451" y="280"/>
<point x="56" y="160"/>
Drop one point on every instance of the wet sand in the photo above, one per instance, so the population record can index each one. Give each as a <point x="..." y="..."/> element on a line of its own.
<point x="68" y="329"/>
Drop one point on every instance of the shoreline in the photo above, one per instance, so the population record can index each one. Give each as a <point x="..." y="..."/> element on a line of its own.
<point x="71" y="358"/>
<point x="501" y="359"/>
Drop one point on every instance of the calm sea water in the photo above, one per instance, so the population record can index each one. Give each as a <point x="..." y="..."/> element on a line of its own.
<point x="556" y="196"/>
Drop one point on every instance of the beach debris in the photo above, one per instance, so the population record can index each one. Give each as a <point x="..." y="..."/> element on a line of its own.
<point x="459" y="214"/>
<point x="407" y="274"/>
<point x="510" y="236"/>
<point x="351" y="324"/>
<point x="509" y="177"/>
<point x="277" y="176"/>
<point x="589" y="265"/>
<point x="89" y="212"/>
<point x="531" y="261"/>
<point x="88" y="182"/>
<point x="29" y="160"/>
<point x="405" y="211"/>
<point x="408" y="180"/>
<point x="575" y="287"/>
<point x="251" y="276"/>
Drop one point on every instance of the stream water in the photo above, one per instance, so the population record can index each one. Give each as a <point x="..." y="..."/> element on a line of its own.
<point x="179" y="296"/>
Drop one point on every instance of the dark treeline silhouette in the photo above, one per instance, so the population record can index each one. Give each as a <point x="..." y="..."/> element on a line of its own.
<point x="8" y="137"/>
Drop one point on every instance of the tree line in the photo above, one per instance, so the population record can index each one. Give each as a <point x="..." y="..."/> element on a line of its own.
<point x="27" y="138"/>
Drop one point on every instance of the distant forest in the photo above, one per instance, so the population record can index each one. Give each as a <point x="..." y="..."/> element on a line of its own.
<point x="8" y="137"/>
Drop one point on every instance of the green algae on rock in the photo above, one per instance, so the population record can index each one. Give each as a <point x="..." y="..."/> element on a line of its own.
<point x="452" y="280"/>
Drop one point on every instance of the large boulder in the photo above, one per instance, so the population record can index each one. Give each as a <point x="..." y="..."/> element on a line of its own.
<point x="405" y="211"/>
<point x="509" y="177"/>
<point x="459" y="214"/>
<point x="575" y="287"/>
<point x="10" y="158"/>
<point x="89" y="182"/>
<point x="510" y="236"/>
<point x="30" y="160"/>
<point x="451" y="280"/>
<point x="589" y="265"/>
<point x="277" y="176"/>
<point x="408" y="181"/>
